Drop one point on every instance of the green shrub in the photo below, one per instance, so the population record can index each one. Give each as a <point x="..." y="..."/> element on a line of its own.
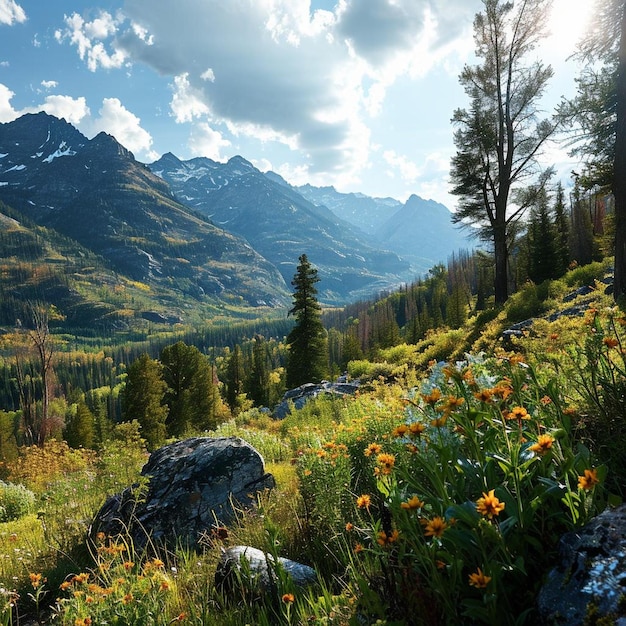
<point x="586" y="274"/>
<point x="15" y="501"/>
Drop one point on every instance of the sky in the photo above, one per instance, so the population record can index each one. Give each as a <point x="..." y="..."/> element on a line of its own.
<point x="357" y="94"/>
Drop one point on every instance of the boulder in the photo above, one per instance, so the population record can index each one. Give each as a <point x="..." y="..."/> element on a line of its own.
<point x="193" y="486"/>
<point x="590" y="577"/>
<point x="254" y="572"/>
<point x="299" y="396"/>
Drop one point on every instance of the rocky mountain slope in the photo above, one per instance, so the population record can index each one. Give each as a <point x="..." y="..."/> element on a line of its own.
<point x="95" y="192"/>
<point x="281" y="225"/>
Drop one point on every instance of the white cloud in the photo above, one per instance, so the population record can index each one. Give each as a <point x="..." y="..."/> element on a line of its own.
<point x="117" y="120"/>
<point x="7" y="112"/>
<point x="11" y="12"/>
<point x="206" y="141"/>
<point x="89" y="38"/>
<point x="187" y="102"/>
<point x="49" y="84"/>
<point x="74" y="110"/>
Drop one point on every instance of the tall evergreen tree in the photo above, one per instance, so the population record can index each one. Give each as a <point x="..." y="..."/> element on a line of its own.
<point x="542" y="243"/>
<point x="190" y="396"/>
<point x="235" y="377"/>
<point x="258" y="380"/>
<point x="79" y="431"/>
<point x="308" y="352"/>
<point x="144" y="399"/>
<point x="500" y="135"/>
<point x="561" y="226"/>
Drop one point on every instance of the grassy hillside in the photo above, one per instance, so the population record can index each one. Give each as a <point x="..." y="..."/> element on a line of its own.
<point x="436" y="495"/>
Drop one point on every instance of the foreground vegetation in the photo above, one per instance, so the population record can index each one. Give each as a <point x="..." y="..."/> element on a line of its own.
<point x="433" y="496"/>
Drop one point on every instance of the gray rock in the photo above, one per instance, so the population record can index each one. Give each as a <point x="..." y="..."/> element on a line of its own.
<point x="252" y="571"/>
<point x="591" y="573"/>
<point x="299" y="396"/>
<point x="193" y="486"/>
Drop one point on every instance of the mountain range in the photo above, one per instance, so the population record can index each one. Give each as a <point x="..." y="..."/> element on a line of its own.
<point x="200" y="231"/>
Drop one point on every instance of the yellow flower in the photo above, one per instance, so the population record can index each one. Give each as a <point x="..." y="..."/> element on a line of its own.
<point x="518" y="413"/>
<point x="589" y="480"/>
<point x="484" y="395"/>
<point x="416" y="428"/>
<point x="384" y="538"/>
<point x="439" y="422"/>
<point x="478" y="579"/>
<point x="400" y="431"/>
<point x="386" y="462"/>
<point x="64" y="586"/>
<point x="35" y="580"/>
<point x="489" y="505"/>
<point x="128" y="565"/>
<point x="413" y="503"/>
<point x="432" y="397"/>
<point x="435" y="527"/>
<point x="543" y="445"/>
<point x="364" y="501"/>
<point x="373" y="448"/>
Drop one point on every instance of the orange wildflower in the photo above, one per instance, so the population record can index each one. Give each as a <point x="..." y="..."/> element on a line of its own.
<point x="373" y="448"/>
<point x="384" y="538"/>
<point x="412" y="504"/>
<point x="610" y="342"/>
<point x="416" y="428"/>
<point x="543" y="445"/>
<point x="386" y="462"/>
<point x="358" y="548"/>
<point x="478" y="579"/>
<point x="484" y="395"/>
<point x="435" y="527"/>
<point x="288" y="598"/>
<point x="432" y="397"/>
<point x="35" y="580"/>
<point x="589" y="480"/>
<point x="489" y="505"/>
<point x="400" y="431"/>
<point x="364" y="501"/>
<point x="518" y="413"/>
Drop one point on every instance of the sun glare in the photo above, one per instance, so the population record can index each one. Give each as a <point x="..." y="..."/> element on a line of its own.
<point x="568" y="23"/>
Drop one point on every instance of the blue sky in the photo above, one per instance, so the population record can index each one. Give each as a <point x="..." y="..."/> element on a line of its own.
<point x="354" y="93"/>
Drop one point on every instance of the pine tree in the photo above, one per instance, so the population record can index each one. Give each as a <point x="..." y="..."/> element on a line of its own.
<point x="258" y="381"/>
<point x="561" y="226"/>
<point x="542" y="258"/>
<point x="308" y="351"/>
<point x="143" y="399"/>
<point x="79" y="431"/>
<point x="234" y="378"/>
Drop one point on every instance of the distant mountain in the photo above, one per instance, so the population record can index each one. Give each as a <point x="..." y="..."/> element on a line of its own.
<point x="367" y="213"/>
<point x="419" y="230"/>
<point x="95" y="192"/>
<point x="281" y="225"/>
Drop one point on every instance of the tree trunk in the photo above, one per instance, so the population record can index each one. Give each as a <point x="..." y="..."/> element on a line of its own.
<point x="619" y="170"/>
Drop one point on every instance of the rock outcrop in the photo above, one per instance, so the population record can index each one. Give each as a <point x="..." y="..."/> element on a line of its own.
<point x="193" y="486"/>
<point x="590" y="578"/>
<point x="299" y="396"/>
<point x="251" y="571"/>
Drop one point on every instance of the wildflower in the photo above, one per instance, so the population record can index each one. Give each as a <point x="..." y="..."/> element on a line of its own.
<point x="435" y="527"/>
<point x="307" y="472"/>
<point x="288" y="598"/>
<point x="35" y="580"/>
<point x="412" y="504"/>
<point x="432" y="397"/>
<point x="358" y="548"/>
<point x="439" y="422"/>
<point x="416" y="428"/>
<point x="610" y="342"/>
<point x="128" y="565"/>
<point x="100" y="536"/>
<point x="364" y="501"/>
<point x="373" y="448"/>
<point x="453" y="402"/>
<point x="400" y="431"/>
<point x="89" y="600"/>
<point x="518" y="413"/>
<point x="489" y="505"/>
<point x="546" y="400"/>
<point x="484" y="395"/>
<point x="384" y="538"/>
<point x="64" y="586"/>
<point x="589" y="480"/>
<point x="180" y="618"/>
<point x="478" y="579"/>
<point x="349" y="527"/>
<point x="157" y="563"/>
<point x="164" y="586"/>
<point x="543" y="445"/>
<point x="128" y="598"/>
<point x="386" y="462"/>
